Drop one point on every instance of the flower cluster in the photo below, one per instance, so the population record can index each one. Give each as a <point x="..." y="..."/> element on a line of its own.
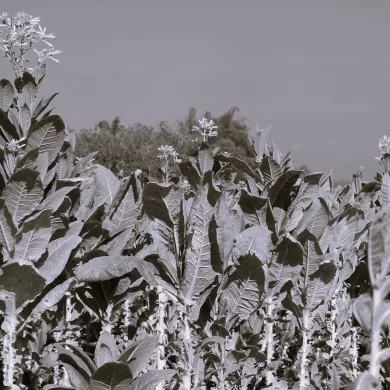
<point x="23" y="33"/>
<point x="206" y="129"/>
<point x="168" y="153"/>
<point x="384" y="145"/>
<point x="14" y="146"/>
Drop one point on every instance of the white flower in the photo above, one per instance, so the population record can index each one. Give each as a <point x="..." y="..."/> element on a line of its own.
<point x="23" y="33"/>
<point x="384" y="145"/>
<point x="206" y="128"/>
<point x="168" y="152"/>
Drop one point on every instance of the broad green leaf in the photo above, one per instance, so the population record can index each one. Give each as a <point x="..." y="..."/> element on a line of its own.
<point x="55" y="200"/>
<point x="33" y="237"/>
<point x="27" y="88"/>
<point x="260" y="143"/>
<point x="22" y="193"/>
<point x="8" y="130"/>
<point x="7" y="94"/>
<point x="111" y="376"/>
<point x="127" y="210"/>
<point x="106" y="350"/>
<point x="73" y="360"/>
<point x="282" y="186"/>
<point x="25" y="119"/>
<point x="138" y="354"/>
<point x="29" y="160"/>
<point x="106" y="268"/>
<point x="107" y="185"/>
<point x="52" y="298"/>
<point x="151" y="379"/>
<point x="23" y="281"/>
<point x="285" y="265"/>
<point x="83" y="164"/>
<point x="7" y="228"/>
<point x="242" y="294"/>
<point x="202" y="252"/>
<point x="255" y="241"/>
<point x="48" y="135"/>
<point x="42" y="105"/>
<point x="77" y="378"/>
<point x="230" y="224"/>
<point x="315" y="218"/>
<point x="164" y="203"/>
<point x="206" y="160"/>
<point x="59" y="252"/>
<point x="379" y="247"/>
<point x="270" y="170"/>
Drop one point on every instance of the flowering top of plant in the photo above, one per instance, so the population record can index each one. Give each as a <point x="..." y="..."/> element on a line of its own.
<point x="23" y="33"/>
<point x="206" y="129"/>
<point x="168" y="152"/>
<point x="384" y="145"/>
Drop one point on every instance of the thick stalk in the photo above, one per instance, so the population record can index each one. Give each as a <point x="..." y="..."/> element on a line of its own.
<point x="375" y="338"/>
<point x="161" y="363"/>
<point x="270" y="340"/>
<point x="354" y="353"/>
<point x="8" y="355"/>
<point x="304" y="375"/>
<point x="221" y="382"/>
<point x="188" y="342"/>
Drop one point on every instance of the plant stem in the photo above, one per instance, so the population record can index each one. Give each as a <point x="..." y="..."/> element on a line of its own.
<point x="375" y="338"/>
<point x="304" y="375"/>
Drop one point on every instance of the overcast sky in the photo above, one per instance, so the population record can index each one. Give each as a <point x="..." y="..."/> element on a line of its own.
<point x="318" y="71"/>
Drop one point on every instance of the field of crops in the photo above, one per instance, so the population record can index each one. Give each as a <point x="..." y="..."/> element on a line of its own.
<point x="224" y="277"/>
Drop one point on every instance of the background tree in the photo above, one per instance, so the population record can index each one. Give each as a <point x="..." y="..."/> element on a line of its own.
<point x="124" y="149"/>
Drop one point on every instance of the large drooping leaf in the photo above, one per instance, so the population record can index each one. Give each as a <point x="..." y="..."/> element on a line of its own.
<point x="241" y="295"/>
<point x="52" y="298"/>
<point x="164" y="203"/>
<point x="22" y="193"/>
<point x="230" y="224"/>
<point x="255" y="241"/>
<point x="315" y="218"/>
<point x="7" y="94"/>
<point x="379" y="247"/>
<point x="126" y="210"/>
<point x="22" y="280"/>
<point x="8" y="130"/>
<point x="54" y="200"/>
<point x="32" y="238"/>
<point x="202" y="255"/>
<point x="254" y="208"/>
<point x="281" y="188"/>
<point x="286" y="264"/>
<point x="106" y="350"/>
<point x="111" y="376"/>
<point x="307" y="192"/>
<point x="48" y="135"/>
<point x="107" y="185"/>
<point x="59" y="251"/>
<point x="138" y="354"/>
<point x="7" y="228"/>
<point x="151" y="379"/>
<point x="106" y="268"/>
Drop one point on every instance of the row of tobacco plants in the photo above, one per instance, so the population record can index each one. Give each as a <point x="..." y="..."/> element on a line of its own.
<point x="226" y="277"/>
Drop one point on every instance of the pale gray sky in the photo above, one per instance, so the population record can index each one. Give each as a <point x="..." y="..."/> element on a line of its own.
<point x="318" y="71"/>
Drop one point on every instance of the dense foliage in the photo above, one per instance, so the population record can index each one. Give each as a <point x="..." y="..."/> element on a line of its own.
<point x="222" y="276"/>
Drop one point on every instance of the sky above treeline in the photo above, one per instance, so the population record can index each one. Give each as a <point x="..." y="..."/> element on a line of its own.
<point x="317" y="71"/>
